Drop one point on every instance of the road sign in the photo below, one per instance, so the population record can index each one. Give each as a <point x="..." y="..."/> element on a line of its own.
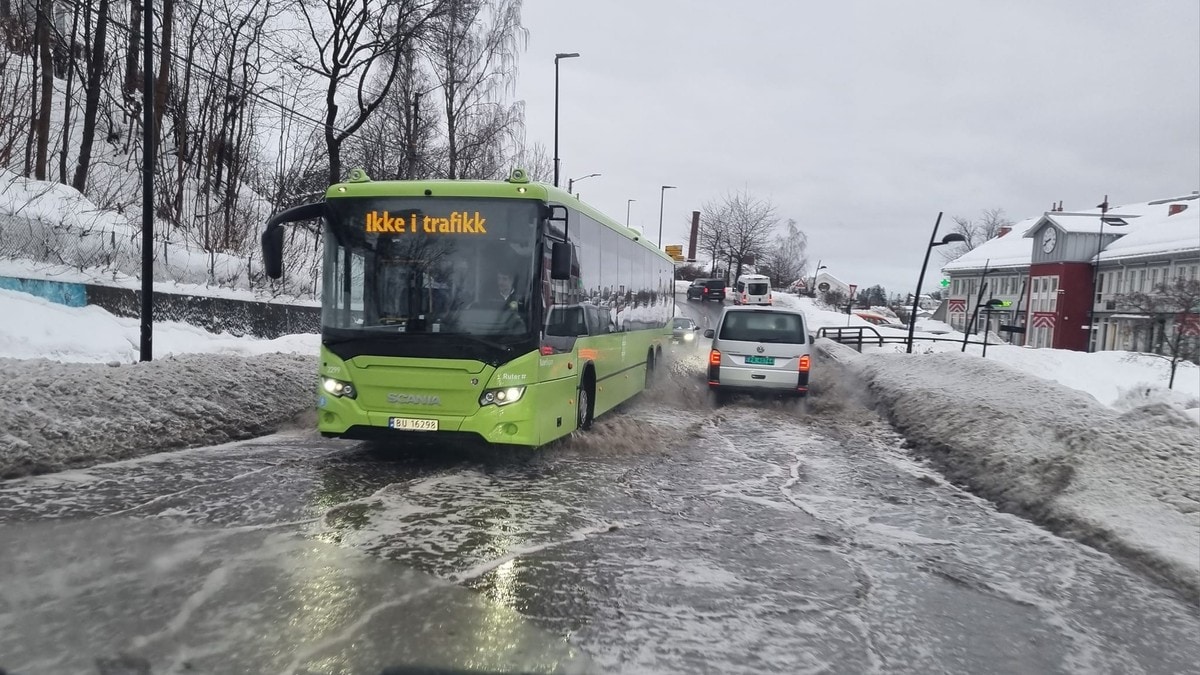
<point x="853" y="287"/>
<point x="675" y="251"/>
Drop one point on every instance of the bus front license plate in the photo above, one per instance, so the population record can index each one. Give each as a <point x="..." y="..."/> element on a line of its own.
<point x="406" y="424"/>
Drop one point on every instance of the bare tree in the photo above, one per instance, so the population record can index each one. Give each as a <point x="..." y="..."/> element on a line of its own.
<point x="14" y="94"/>
<point x="786" y="261"/>
<point x="357" y="38"/>
<point x="988" y="226"/>
<point x="536" y="161"/>
<point x="95" y="57"/>
<point x="45" y="37"/>
<point x="72" y="68"/>
<point x="737" y="228"/>
<point x="473" y="54"/>
<point x="1172" y="319"/>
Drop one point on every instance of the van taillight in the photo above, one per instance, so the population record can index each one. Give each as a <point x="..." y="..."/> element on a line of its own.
<point x="804" y="363"/>
<point x="714" y="358"/>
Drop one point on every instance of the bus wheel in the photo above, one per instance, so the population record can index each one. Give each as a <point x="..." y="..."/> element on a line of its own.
<point x="583" y="418"/>
<point x="650" y="366"/>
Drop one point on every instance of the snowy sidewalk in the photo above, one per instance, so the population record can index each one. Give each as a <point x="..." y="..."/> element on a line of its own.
<point x="1127" y="482"/>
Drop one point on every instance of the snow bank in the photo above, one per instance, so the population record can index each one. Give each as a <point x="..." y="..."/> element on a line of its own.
<point x="1126" y="482"/>
<point x="91" y="334"/>
<point x="57" y="416"/>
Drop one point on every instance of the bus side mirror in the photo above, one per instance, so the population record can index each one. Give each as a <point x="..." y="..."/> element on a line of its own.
<point x="272" y="238"/>
<point x="272" y="250"/>
<point x="560" y="261"/>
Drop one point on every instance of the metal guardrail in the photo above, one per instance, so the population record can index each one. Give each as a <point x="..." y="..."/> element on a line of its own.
<point x="855" y="336"/>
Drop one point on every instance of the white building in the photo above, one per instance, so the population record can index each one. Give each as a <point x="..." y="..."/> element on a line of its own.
<point x="827" y="283"/>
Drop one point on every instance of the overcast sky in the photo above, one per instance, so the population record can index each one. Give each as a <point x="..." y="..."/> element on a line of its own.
<point x="863" y="120"/>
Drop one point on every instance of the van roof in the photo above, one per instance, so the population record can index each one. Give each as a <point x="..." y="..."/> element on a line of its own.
<point x="753" y="276"/>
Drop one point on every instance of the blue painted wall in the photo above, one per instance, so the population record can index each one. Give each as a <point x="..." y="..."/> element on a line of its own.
<point x="69" y="294"/>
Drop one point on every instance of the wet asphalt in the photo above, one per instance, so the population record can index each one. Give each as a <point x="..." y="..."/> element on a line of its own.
<point x="673" y="537"/>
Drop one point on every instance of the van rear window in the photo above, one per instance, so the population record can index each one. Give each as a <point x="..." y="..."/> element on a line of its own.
<point x="757" y="288"/>
<point x="763" y="327"/>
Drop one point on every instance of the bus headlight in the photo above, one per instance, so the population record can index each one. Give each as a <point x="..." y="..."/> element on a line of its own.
<point x="502" y="396"/>
<point x="338" y="388"/>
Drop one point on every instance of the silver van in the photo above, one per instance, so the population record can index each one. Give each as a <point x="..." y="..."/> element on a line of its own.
<point x="759" y="349"/>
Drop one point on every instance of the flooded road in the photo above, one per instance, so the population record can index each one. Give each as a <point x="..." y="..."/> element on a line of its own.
<point x="674" y="537"/>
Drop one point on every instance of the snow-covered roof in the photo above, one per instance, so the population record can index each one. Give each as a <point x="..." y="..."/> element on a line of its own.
<point x="1087" y="221"/>
<point x="1008" y="250"/>
<point x="1158" y="235"/>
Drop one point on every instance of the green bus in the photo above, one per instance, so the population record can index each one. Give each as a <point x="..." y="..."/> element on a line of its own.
<point x="507" y="311"/>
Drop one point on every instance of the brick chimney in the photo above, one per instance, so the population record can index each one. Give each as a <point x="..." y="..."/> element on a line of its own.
<point x="1003" y="231"/>
<point x="1176" y="208"/>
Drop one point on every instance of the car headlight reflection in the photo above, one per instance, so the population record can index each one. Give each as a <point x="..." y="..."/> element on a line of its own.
<point x="338" y="388"/>
<point x="502" y="396"/>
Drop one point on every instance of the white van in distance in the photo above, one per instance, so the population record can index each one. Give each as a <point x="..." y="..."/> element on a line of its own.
<point x="752" y="289"/>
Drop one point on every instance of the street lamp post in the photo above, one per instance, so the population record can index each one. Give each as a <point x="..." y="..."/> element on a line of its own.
<point x="558" y="57"/>
<point x="813" y="289"/>
<point x="948" y="239"/>
<point x="979" y="304"/>
<point x="1093" y="328"/>
<point x="1093" y="319"/>
<point x="661" y="193"/>
<point x="572" y="181"/>
<point x="628" y="203"/>
<point x="987" y="308"/>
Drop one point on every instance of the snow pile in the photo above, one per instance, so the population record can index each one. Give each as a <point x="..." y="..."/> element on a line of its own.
<point x="1123" y="481"/>
<point x="61" y="415"/>
<point x="62" y="407"/>
<point x="95" y="335"/>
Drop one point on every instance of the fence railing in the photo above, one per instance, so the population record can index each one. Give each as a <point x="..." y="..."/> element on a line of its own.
<point x="856" y="336"/>
<point x="113" y="250"/>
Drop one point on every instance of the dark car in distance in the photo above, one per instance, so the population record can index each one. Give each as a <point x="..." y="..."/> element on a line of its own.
<point x="707" y="289"/>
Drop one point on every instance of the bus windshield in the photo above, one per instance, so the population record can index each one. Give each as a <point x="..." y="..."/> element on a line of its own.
<point x="429" y="265"/>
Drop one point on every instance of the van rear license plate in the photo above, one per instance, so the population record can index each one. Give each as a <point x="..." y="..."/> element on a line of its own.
<point x="760" y="360"/>
<point x="407" y="424"/>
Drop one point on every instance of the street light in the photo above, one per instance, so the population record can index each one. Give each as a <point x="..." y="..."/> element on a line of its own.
<point x="979" y="304"/>
<point x="988" y="307"/>
<point x="572" y="181"/>
<point x="557" y="58"/>
<point x="628" y="203"/>
<point x="948" y="239"/>
<point x="1093" y="324"/>
<point x="813" y="289"/>
<point x="661" y="192"/>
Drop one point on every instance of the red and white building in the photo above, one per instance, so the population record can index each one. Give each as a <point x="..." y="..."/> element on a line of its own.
<point x="1054" y="271"/>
